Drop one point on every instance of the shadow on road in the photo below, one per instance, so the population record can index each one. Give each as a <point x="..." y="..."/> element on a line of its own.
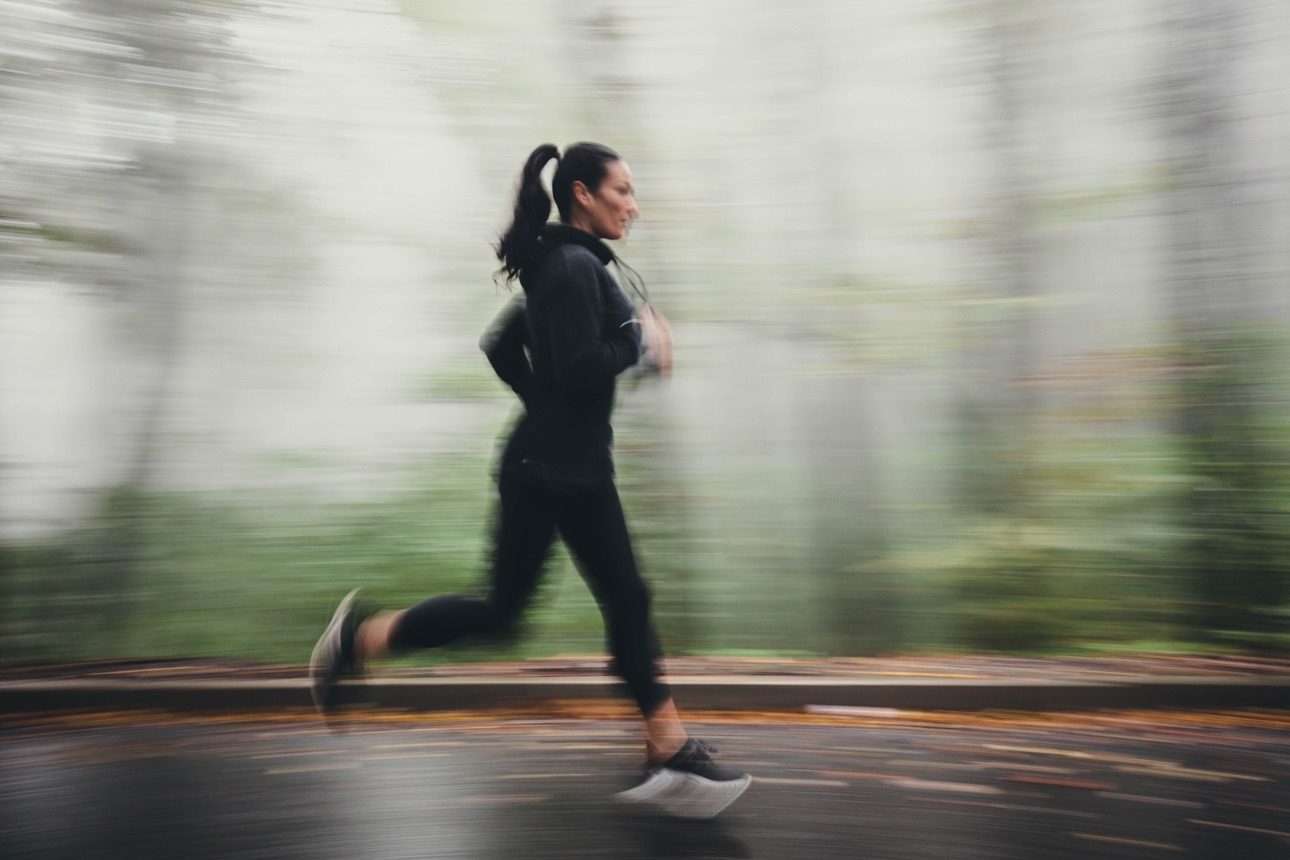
<point x="663" y="836"/>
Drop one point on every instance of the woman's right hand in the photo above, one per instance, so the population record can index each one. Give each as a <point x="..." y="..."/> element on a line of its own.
<point x="656" y="339"/>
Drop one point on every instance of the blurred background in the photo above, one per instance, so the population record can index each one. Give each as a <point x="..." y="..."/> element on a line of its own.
<point x="980" y="307"/>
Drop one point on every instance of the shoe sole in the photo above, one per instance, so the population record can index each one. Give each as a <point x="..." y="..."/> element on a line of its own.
<point x="656" y="785"/>
<point x="685" y="795"/>
<point x="322" y="668"/>
<point x="696" y="797"/>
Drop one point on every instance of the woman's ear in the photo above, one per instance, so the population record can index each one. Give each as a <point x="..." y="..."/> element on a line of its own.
<point x="581" y="194"/>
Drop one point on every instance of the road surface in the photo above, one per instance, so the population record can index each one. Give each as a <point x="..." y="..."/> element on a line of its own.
<point x="872" y="785"/>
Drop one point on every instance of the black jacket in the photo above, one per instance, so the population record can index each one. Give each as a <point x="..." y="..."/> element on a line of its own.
<point x="560" y="347"/>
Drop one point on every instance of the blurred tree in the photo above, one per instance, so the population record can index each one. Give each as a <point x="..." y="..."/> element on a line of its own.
<point x="998" y="329"/>
<point x="1231" y="549"/>
<point x="131" y="87"/>
<point x="996" y="409"/>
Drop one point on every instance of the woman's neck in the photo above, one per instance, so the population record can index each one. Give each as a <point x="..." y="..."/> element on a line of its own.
<point x="581" y="222"/>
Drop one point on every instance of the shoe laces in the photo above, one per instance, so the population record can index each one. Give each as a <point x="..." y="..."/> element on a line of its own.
<point x="694" y="750"/>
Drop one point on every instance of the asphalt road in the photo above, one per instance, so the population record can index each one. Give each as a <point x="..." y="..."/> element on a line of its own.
<point x="886" y="786"/>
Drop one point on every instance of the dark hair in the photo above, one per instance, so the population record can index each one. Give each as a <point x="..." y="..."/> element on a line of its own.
<point x="582" y="162"/>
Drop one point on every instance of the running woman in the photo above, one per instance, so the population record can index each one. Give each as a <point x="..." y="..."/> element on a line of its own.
<point x="560" y="346"/>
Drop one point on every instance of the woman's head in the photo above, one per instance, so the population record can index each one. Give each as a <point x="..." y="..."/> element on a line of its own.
<point x="593" y="191"/>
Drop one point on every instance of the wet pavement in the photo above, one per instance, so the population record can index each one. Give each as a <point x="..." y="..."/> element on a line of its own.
<point x="897" y="785"/>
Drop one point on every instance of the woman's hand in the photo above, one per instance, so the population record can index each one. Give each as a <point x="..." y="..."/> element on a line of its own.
<point x="656" y="339"/>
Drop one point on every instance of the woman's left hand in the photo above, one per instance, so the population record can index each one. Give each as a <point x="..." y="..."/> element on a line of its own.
<point x="656" y="338"/>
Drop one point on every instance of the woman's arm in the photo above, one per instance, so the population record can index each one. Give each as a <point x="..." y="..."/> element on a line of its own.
<point x="503" y="342"/>
<point x="585" y="351"/>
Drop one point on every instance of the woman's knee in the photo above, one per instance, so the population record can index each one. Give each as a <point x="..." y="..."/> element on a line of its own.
<point x="628" y="611"/>
<point x="504" y="617"/>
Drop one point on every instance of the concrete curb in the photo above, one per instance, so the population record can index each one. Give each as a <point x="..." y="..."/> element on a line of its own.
<point x="768" y="693"/>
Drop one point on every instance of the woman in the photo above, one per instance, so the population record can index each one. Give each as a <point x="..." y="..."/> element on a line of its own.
<point x="560" y="347"/>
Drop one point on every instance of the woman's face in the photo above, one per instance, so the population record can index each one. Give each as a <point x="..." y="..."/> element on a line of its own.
<point x="609" y="210"/>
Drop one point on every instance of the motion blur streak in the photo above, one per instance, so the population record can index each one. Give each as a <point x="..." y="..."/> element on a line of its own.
<point x="980" y="312"/>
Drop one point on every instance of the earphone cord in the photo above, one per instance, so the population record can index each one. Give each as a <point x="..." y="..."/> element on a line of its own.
<point x="634" y="279"/>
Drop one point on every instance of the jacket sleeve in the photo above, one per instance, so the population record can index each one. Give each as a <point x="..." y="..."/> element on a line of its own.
<point x="585" y="350"/>
<point x="503" y="342"/>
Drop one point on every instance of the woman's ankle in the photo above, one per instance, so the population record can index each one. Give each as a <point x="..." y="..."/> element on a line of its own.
<point x="664" y="733"/>
<point x="372" y="638"/>
<point x="662" y="753"/>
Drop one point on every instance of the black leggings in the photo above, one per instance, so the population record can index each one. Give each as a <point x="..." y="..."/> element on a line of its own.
<point x="591" y="522"/>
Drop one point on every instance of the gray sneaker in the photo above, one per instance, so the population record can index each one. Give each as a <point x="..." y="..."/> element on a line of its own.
<point x="689" y="784"/>
<point x="333" y="656"/>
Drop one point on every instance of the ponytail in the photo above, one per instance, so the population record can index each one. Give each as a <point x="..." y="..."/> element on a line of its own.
<point x="532" y="208"/>
<point x="582" y="162"/>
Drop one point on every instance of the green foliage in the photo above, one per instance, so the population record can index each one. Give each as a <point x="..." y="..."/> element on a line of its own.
<point x="254" y="576"/>
<point x="1114" y="537"/>
<point x="1095" y="533"/>
<point x="1235" y="554"/>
